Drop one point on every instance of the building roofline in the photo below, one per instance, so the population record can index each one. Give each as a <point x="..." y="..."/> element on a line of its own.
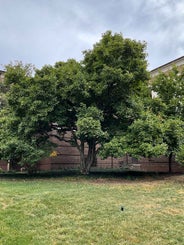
<point x="166" y="64"/>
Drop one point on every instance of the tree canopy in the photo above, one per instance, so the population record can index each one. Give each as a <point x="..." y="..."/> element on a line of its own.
<point x="103" y="101"/>
<point x="159" y="129"/>
<point x="24" y="124"/>
<point x="169" y="104"/>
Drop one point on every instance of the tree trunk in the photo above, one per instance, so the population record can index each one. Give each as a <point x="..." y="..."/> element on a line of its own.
<point x="86" y="162"/>
<point x="170" y="162"/>
<point x="81" y="150"/>
<point x="82" y="158"/>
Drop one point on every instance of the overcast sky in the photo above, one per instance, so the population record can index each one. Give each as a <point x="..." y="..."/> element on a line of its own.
<point x="45" y="31"/>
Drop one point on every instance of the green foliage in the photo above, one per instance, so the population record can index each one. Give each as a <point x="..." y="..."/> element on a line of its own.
<point x="18" y="151"/>
<point x="173" y="134"/>
<point x="89" y="124"/>
<point x="117" y="147"/>
<point x="145" y="137"/>
<point x="180" y="154"/>
<point x="3" y="90"/>
<point x="25" y="121"/>
<point x="149" y="150"/>
<point x="17" y="148"/>
<point x="71" y="83"/>
<point x="170" y="90"/>
<point x="116" y="71"/>
<point x="148" y="136"/>
<point x="88" y="128"/>
<point x="169" y="103"/>
<point x="30" y="100"/>
<point x="71" y="91"/>
<point x="158" y="126"/>
<point x="94" y="100"/>
<point x="109" y="83"/>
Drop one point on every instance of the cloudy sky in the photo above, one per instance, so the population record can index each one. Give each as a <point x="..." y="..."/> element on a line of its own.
<point x="45" y="31"/>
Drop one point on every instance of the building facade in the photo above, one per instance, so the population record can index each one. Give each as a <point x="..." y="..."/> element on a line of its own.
<point x="2" y="73"/>
<point x="179" y="63"/>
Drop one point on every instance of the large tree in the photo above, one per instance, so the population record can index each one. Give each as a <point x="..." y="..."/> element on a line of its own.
<point x="108" y="82"/>
<point x="93" y="100"/>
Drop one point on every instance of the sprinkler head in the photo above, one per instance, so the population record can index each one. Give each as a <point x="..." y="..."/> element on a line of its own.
<point x="122" y="208"/>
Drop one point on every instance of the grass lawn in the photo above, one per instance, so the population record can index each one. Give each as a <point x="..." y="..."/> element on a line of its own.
<point x="87" y="210"/>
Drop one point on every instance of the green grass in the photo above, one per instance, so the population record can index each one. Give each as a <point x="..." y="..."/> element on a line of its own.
<point x="86" y="210"/>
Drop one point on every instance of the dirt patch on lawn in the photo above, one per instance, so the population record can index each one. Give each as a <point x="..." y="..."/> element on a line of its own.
<point x="175" y="178"/>
<point x="99" y="177"/>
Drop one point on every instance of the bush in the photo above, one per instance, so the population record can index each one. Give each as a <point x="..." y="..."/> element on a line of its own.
<point x="1" y="170"/>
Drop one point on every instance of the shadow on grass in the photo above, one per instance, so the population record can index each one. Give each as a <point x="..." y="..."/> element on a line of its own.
<point x="94" y="175"/>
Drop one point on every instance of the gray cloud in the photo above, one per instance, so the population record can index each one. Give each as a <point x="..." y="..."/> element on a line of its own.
<point x="45" y="31"/>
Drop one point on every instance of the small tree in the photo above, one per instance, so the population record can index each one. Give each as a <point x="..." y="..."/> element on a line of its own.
<point x="25" y="123"/>
<point x="160" y="131"/>
<point x="169" y="103"/>
<point x="173" y="137"/>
